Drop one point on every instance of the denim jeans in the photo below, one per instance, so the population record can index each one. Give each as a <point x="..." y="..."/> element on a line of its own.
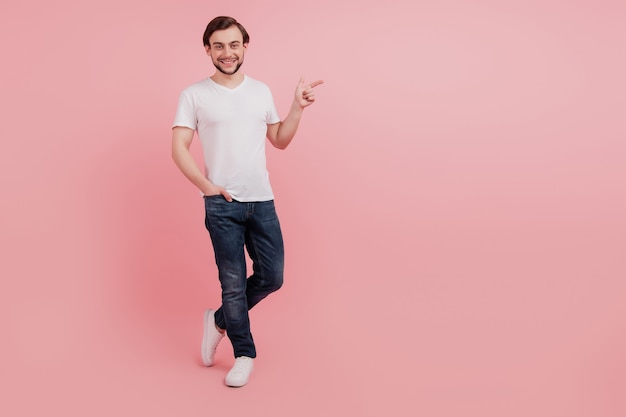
<point x="233" y="226"/>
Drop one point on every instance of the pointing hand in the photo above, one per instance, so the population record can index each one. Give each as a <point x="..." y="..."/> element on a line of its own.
<point x="304" y="92"/>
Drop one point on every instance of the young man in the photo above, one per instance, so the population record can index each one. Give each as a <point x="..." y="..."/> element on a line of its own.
<point x="233" y="114"/>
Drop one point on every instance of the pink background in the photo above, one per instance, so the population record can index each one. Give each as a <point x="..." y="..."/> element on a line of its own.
<point x="453" y="209"/>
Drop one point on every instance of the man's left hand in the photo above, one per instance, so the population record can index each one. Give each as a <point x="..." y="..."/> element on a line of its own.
<point x="304" y="92"/>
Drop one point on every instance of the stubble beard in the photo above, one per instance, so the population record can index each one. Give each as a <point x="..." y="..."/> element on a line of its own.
<point x="225" y="72"/>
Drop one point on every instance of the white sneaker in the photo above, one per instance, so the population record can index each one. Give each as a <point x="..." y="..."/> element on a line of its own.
<point x="210" y="339"/>
<point x="239" y="375"/>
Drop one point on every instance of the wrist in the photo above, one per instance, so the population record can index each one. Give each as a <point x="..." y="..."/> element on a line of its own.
<point x="208" y="188"/>
<point x="296" y="107"/>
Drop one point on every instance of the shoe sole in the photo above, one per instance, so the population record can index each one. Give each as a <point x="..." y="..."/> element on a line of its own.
<point x="205" y="359"/>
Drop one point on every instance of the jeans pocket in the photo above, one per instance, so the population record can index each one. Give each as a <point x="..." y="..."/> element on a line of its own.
<point x="215" y="199"/>
<point x="213" y="202"/>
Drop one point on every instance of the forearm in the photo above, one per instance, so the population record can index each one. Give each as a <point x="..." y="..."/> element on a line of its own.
<point x="289" y="126"/>
<point x="187" y="165"/>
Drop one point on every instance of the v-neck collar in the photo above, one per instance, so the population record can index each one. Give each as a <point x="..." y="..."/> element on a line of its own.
<point x="232" y="90"/>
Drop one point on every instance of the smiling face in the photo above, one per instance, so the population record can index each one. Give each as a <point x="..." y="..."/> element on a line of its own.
<point x="226" y="49"/>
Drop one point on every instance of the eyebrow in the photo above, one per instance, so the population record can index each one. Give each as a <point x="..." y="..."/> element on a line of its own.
<point x="221" y="43"/>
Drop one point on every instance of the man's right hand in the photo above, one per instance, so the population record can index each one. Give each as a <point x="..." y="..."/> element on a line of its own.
<point x="217" y="190"/>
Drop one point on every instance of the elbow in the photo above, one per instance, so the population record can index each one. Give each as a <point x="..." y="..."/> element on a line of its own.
<point x="282" y="142"/>
<point x="279" y="144"/>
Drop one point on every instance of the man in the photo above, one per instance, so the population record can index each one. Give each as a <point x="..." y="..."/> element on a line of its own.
<point x="233" y="114"/>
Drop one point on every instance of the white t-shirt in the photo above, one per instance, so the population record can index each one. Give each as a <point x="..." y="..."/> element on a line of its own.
<point x="232" y="127"/>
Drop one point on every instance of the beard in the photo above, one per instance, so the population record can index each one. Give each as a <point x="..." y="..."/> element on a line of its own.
<point x="226" y="72"/>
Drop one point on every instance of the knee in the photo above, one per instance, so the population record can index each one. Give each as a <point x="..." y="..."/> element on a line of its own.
<point x="278" y="282"/>
<point x="275" y="283"/>
<point x="272" y="276"/>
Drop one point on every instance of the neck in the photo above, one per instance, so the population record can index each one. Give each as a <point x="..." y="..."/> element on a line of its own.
<point x="230" y="81"/>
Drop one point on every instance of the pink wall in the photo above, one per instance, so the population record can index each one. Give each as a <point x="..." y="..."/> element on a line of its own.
<point x="453" y="210"/>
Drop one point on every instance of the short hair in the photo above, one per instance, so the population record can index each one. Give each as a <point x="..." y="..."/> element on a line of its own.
<point x="221" y="23"/>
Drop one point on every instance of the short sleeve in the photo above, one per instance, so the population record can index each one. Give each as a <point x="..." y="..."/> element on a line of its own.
<point x="185" y="113"/>
<point x="271" y="116"/>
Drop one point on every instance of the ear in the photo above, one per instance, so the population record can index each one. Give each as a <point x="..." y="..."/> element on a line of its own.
<point x="245" y="45"/>
<point x="207" y="48"/>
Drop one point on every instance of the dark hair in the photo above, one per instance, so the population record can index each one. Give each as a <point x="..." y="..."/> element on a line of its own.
<point x="221" y="23"/>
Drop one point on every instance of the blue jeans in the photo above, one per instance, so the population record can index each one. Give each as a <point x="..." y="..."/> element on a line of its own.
<point x="232" y="227"/>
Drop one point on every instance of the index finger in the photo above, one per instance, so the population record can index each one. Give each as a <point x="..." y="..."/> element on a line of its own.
<point x="316" y="83"/>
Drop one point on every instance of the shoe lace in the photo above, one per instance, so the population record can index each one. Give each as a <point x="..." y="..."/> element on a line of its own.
<point x="240" y="364"/>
